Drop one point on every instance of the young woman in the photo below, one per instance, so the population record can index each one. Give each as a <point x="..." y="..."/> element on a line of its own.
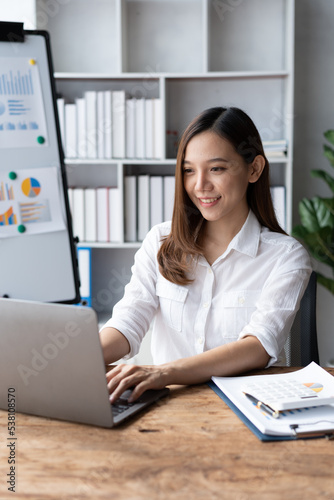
<point x="222" y="280"/>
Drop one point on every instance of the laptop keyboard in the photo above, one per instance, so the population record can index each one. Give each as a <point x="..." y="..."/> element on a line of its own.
<point x="122" y="409"/>
<point x="122" y="404"/>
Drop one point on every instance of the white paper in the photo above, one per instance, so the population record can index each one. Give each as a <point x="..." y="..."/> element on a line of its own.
<point x="22" y="114"/>
<point x="31" y="200"/>
<point x="307" y="419"/>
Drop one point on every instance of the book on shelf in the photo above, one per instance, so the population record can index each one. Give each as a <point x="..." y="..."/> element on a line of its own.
<point x="78" y="213"/>
<point x="275" y="148"/>
<point x="61" y="118"/>
<point x="278" y="145"/>
<point x="131" y="128"/>
<point x="100" y="137"/>
<point x="130" y="208"/>
<point x="158" y="138"/>
<point x="81" y="128"/>
<point x="115" y="215"/>
<point x="143" y="206"/>
<point x="156" y="200"/>
<point x="70" y="201"/>
<point x="119" y="124"/>
<point x="149" y="129"/>
<point x="90" y="206"/>
<point x="71" y="131"/>
<point x="169" y="189"/>
<point x="140" y="153"/>
<point x="85" y="275"/>
<point x="107" y="125"/>
<point x="91" y="124"/>
<point x="102" y="212"/>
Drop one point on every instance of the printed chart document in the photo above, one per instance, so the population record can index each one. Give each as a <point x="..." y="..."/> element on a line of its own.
<point x="30" y="199"/>
<point x="302" y="422"/>
<point x="22" y="115"/>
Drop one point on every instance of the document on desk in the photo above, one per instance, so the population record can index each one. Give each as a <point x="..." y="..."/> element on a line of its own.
<point x="305" y="421"/>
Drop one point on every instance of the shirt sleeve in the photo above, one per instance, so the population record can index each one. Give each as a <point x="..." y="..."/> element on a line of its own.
<point x="133" y="314"/>
<point x="279" y="301"/>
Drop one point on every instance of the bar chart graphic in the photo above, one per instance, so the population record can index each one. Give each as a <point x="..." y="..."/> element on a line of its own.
<point x="8" y="218"/>
<point x="16" y="83"/>
<point x="6" y="191"/>
<point x="35" y="212"/>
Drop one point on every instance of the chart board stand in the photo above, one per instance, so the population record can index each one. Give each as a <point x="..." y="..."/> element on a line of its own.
<point x="37" y="249"/>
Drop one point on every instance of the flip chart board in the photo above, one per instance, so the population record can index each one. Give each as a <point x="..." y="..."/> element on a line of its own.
<point x="37" y="250"/>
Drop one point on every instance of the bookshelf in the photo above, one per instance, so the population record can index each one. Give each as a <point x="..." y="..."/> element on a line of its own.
<point x="191" y="54"/>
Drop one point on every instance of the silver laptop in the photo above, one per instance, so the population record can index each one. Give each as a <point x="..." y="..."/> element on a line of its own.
<point x="51" y="361"/>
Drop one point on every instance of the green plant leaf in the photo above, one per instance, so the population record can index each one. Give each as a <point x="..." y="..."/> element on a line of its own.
<point x="329" y="134"/>
<point x="314" y="214"/>
<point x="329" y="153"/>
<point x="329" y="204"/>
<point x="321" y="245"/>
<point x="325" y="177"/>
<point x="326" y="282"/>
<point x="299" y="232"/>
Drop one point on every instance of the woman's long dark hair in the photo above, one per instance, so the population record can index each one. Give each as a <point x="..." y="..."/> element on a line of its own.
<point x="178" y="248"/>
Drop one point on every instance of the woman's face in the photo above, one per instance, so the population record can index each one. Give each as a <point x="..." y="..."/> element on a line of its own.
<point x="216" y="177"/>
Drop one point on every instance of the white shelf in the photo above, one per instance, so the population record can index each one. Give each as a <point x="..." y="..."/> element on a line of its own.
<point x="172" y="75"/>
<point x="132" y="245"/>
<point x="114" y="161"/>
<point x="192" y="54"/>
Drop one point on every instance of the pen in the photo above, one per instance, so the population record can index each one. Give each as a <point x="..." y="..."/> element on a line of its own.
<point x="262" y="406"/>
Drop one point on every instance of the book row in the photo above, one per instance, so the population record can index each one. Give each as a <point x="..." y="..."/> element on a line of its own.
<point x="107" y="124"/>
<point x="97" y="213"/>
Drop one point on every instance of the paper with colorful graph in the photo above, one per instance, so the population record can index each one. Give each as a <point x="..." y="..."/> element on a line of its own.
<point x="30" y="202"/>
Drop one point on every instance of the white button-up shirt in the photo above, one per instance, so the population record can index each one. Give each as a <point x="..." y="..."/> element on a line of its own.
<point x="253" y="288"/>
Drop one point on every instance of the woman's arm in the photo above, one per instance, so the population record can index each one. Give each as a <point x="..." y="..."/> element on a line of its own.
<point x="230" y="359"/>
<point x="114" y="345"/>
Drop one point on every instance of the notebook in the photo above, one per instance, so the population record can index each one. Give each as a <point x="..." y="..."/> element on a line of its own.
<point x="51" y="365"/>
<point x="309" y="420"/>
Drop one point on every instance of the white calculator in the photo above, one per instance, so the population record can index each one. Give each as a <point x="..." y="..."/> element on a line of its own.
<point x="288" y="394"/>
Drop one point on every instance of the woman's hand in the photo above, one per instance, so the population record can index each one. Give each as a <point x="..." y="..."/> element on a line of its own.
<point x="122" y="377"/>
<point x="226" y="360"/>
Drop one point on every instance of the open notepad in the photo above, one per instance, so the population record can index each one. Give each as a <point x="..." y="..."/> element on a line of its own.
<point x="307" y="420"/>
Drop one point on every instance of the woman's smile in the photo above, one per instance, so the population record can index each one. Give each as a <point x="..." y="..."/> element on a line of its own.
<point x="206" y="202"/>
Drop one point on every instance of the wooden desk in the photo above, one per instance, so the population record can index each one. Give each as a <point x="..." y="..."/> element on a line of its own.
<point x="189" y="446"/>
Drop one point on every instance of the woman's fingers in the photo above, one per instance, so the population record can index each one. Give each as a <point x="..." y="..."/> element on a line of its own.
<point x="123" y="377"/>
<point x="119" y="380"/>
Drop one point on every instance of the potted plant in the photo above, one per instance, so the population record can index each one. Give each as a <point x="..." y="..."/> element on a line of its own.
<point x="317" y="220"/>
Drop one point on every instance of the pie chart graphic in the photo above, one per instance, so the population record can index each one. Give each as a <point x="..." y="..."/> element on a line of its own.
<point x="31" y="187"/>
<point x="315" y="386"/>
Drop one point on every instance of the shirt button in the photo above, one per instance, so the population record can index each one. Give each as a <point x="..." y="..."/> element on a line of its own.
<point x="209" y="270"/>
<point x="241" y="300"/>
<point x="200" y="340"/>
<point x="205" y="304"/>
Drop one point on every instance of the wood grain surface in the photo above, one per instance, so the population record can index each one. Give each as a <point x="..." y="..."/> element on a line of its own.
<point x="188" y="446"/>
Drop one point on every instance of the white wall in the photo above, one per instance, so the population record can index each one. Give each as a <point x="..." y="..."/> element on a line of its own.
<point x="19" y="11"/>
<point x="314" y="114"/>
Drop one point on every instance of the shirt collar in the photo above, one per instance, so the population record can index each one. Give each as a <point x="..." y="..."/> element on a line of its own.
<point x="247" y="239"/>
